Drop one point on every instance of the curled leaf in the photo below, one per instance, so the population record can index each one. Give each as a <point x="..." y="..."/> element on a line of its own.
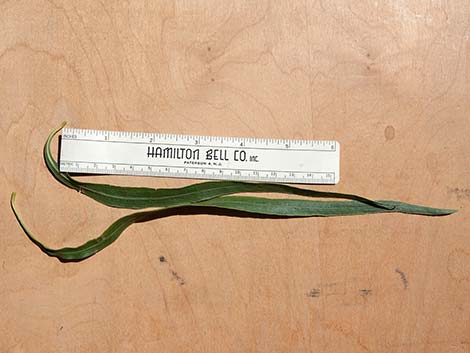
<point x="203" y="198"/>
<point x="230" y="206"/>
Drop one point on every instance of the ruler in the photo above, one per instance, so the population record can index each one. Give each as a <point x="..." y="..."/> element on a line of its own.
<point x="200" y="157"/>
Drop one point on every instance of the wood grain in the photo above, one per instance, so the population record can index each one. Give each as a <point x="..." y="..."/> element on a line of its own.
<point x="389" y="79"/>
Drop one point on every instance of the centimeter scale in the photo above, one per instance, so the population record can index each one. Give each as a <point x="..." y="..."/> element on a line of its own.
<point x="200" y="157"/>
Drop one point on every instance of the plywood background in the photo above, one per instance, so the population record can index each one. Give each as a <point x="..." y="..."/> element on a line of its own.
<point x="389" y="79"/>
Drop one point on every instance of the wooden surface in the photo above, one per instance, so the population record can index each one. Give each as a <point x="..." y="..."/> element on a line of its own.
<point x="389" y="79"/>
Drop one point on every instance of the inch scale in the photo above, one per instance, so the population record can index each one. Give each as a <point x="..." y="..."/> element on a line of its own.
<point x="199" y="157"/>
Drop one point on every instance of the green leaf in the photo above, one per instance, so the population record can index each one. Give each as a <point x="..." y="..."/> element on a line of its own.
<point x="141" y="197"/>
<point x="207" y="197"/>
<point x="309" y="208"/>
<point x="87" y="249"/>
<point x="229" y="205"/>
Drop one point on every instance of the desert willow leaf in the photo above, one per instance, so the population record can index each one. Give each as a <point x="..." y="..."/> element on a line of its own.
<point x="230" y="206"/>
<point x="141" y="197"/>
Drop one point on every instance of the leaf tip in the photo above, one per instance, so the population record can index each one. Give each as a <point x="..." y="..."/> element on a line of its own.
<point x="444" y="212"/>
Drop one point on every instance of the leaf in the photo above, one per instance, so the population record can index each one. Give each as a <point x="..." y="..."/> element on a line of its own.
<point x="208" y="197"/>
<point x="87" y="249"/>
<point x="254" y="206"/>
<point x="309" y="208"/>
<point x="141" y="197"/>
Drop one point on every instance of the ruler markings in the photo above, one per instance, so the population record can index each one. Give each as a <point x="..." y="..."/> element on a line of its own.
<point x="200" y="167"/>
<point x="195" y="137"/>
<point x="209" y="146"/>
<point x="201" y="176"/>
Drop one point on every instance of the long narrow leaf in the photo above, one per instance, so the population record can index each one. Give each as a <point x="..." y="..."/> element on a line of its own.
<point x="202" y="197"/>
<point x="141" y="197"/>
<point x="309" y="208"/>
<point x="256" y="207"/>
